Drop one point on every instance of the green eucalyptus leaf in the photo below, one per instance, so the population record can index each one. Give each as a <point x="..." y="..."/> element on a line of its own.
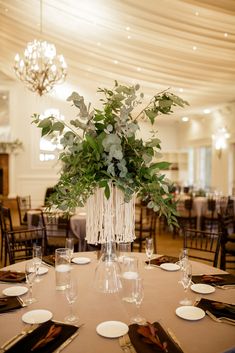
<point x="107" y="191"/>
<point x="58" y="126"/>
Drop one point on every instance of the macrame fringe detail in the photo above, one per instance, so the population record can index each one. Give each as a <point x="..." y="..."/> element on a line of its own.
<point x="110" y="219"/>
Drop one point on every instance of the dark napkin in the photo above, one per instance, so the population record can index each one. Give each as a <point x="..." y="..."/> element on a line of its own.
<point x="215" y="280"/>
<point x="218" y="309"/>
<point x="28" y="342"/>
<point x="141" y="346"/>
<point x="49" y="259"/>
<point x="163" y="259"/>
<point x="9" y="303"/>
<point x="12" y="276"/>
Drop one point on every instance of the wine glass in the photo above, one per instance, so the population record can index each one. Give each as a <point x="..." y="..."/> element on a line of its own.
<point x="37" y="259"/>
<point x="71" y="293"/>
<point x="30" y="274"/>
<point x="138" y="296"/>
<point x="186" y="279"/>
<point x="183" y="258"/>
<point x="149" y="251"/>
<point x="69" y="244"/>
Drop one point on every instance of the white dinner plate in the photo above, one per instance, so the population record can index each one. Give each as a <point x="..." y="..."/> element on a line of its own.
<point x="168" y="266"/>
<point x="112" y="329"/>
<point x="37" y="316"/>
<point x="81" y="260"/>
<point x="190" y="312"/>
<point x="15" y="291"/>
<point x="202" y="288"/>
<point x="42" y="270"/>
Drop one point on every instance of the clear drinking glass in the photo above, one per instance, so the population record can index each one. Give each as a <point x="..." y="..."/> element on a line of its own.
<point x="138" y="296"/>
<point x="183" y="258"/>
<point x="129" y="273"/>
<point x="69" y="244"/>
<point x="186" y="279"/>
<point x="149" y="251"/>
<point x="62" y="268"/>
<point x="37" y="259"/>
<point x="30" y="274"/>
<point x="71" y="293"/>
<point x="123" y="249"/>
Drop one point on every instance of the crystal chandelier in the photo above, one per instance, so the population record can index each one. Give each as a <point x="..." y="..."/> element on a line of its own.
<point x="40" y="68"/>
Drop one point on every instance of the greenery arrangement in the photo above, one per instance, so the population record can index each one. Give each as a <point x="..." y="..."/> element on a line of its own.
<point x="100" y="147"/>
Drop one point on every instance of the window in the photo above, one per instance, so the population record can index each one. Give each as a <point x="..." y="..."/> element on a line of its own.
<point x="49" y="148"/>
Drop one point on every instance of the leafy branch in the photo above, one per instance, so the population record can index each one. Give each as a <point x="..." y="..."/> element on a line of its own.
<point x="100" y="146"/>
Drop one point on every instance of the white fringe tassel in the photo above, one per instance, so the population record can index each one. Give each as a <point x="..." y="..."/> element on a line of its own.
<point x="110" y="219"/>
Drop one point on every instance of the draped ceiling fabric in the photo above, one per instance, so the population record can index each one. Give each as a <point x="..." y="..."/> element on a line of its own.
<point x="187" y="45"/>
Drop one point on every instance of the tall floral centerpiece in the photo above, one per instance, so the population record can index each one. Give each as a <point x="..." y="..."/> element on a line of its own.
<point x="105" y="165"/>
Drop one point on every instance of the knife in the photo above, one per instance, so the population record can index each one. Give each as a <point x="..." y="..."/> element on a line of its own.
<point x="67" y="342"/>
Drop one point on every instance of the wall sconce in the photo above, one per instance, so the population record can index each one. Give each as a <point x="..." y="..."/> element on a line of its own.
<point x="220" y="140"/>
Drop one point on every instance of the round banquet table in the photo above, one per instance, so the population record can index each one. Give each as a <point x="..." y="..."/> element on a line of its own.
<point x="162" y="295"/>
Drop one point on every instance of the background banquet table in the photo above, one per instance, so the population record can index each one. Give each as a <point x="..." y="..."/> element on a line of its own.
<point x="162" y="296"/>
<point x="77" y="224"/>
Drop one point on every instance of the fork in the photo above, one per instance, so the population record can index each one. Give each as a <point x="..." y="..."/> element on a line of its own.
<point x="222" y="319"/>
<point x="226" y="286"/>
<point x="128" y="343"/>
<point x="123" y="345"/>
<point x="17" y="337"/>
<point x="22" y="302"/>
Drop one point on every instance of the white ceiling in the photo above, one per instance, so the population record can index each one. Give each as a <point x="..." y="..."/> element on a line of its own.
<point x="187" y="45"/>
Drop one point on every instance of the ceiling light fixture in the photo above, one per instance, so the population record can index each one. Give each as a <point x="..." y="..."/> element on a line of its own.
<point x="40" y="68"/>
<point x="206" y="111"/>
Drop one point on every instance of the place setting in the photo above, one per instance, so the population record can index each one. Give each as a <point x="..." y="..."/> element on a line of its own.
<point x="43" y="336"/>
<point x="149" y="338"/>
<point x="187" y="310"/>
<point x="9" y="303"/>
<point x="12" y="276"/>
<point x="166" y="263"/>
<point x="222" y="281"/>
<point x="218" y="311"/>
<point x="47" y="335"/>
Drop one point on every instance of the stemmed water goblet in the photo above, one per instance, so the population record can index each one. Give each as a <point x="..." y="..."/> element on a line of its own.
<point x="30" y="274"/>
<point x="186" y="279"/>
<point x="138" y="296"/>
<point x="37" y="259"/>
<point x="69" y="244"/>
<point x="149" y="251"/>
<point x="71" y="293"/>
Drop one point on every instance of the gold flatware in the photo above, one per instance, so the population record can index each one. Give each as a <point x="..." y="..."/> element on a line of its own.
<point x="221" y="319"/>
<point x="21" y="302"/>
<point x="173" y="337"/>
<point x="128" y="343"/>
<point x="123" y="345"/>
<point x="67" y="342"/>
<point x="226" y="286"/>
<point x="17" y="337"/>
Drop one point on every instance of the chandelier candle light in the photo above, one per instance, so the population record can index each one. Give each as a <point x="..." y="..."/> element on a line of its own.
<point x="40" y="68"/>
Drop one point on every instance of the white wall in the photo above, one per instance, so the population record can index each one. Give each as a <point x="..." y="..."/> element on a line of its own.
<point x="29" y="175"/>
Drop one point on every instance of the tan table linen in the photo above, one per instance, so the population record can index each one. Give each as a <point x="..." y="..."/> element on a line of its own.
<point x="162" y="296"/>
